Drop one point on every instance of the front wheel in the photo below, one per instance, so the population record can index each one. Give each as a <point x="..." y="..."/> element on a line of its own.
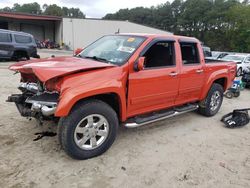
<point x="212" y="103"/>
<point x="89" y="130"/>
<point x="19" y="55"/>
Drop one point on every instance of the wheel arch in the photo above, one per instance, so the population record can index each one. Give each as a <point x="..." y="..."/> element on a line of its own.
<point x="112" y="99"/>
<point x="223" y="81"/>
<point x="21" y="51"/>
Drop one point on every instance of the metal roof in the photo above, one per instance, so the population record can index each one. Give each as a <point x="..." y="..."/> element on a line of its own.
<point x="24" y="16"/>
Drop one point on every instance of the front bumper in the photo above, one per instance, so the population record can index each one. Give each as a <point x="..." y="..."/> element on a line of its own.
<point x="37" y="105"/>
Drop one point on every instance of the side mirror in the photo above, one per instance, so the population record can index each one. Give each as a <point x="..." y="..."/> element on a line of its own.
<point x="139" y="65"/>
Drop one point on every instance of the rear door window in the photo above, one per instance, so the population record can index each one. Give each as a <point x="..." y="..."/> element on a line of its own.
<point x="5" y="37"/>
<point x="189" y="53"/>
<point x="22" y="39"/>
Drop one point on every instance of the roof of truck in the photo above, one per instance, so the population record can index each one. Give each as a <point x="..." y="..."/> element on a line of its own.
<point x="149" y="35"/>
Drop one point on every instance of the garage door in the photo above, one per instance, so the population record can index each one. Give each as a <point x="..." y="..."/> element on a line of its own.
<point x="36" y="30"/>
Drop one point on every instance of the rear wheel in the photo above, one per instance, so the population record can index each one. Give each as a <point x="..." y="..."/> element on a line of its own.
<point x="211" y="105"/>
<point x="229" y="94"/>
<point x="89" y="130"/>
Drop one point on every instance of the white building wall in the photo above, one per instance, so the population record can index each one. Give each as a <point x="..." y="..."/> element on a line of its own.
<point x="58" y="32"/>
<point x="88" y="30"/>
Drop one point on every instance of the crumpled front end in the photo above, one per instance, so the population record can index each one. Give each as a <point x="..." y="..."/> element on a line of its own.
<point x="41" y="82"/>
<point x="35" y="101"/>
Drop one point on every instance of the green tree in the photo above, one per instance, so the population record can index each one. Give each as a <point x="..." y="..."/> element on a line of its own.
<point x="32" y="8"/>
<point x="75" y="13"/>
<point x="45" y="6"/>
<point x="239" y="32"/>
<point x="6" y="9"/>
<point x="53" y="10"/>
<point x="221" y="24"/>
<point x="64" y="11"/>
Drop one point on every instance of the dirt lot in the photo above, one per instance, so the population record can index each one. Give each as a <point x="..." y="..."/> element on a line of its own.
<point x="185" y="151"/>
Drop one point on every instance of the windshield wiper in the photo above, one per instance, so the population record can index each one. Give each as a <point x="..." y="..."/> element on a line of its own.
<point x="97" y="58"/>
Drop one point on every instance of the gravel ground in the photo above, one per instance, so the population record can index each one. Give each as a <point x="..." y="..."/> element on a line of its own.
<point x="184" y="151"/>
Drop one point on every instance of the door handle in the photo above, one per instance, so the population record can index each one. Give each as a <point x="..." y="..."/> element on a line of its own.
<point x="199" y="71"/>
<point x="173" y="74"/>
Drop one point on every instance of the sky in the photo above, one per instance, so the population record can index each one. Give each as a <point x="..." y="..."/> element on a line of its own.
<point x="92" y="8"/>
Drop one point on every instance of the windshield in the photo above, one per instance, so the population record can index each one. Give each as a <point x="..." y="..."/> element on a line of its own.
<point x="215" y="54"/>
<point x="115" y="49"/>
<point x="233" y="58"/>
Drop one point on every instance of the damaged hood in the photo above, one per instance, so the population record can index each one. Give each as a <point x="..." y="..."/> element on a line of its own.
<point x="46" y="69"/>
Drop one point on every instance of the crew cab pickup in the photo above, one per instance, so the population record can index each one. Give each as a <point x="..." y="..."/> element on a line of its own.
<point x="124" y="79"/>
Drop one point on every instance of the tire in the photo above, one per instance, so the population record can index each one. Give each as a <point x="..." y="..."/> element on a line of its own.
<point x="37" y="56"/>
<point x="239" y="72"/>
<point x="80" y="138"/>
<point x="237" y="94"/>
<point x="212" y="103"/>
<point x="27" y="57"/>
<point x="229" y="94"/>
<point x="19" y="55"/>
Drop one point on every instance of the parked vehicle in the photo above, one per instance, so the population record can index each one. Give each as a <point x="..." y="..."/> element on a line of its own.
<point x="246" y="78"/>
<point x="207" y="51"/>
<point x="242" y="60"/>
<point x="17" y="45"/>
<point x="216" y="55"/>
<point x="234" y="90"/>
<point x="126" y="79"/>
<point x="219" y="55"/>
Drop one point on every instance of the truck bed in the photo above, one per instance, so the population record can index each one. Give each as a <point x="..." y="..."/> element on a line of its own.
<point x="214" y="61"/>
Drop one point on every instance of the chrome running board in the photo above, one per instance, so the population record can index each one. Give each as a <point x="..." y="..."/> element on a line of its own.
<point x="137" y="122"/>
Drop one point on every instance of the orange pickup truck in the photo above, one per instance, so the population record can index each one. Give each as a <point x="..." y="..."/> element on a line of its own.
<point x="123" y="79"/>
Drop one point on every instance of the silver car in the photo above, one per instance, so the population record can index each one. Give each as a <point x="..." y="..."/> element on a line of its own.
<point x="17" y="45"/>
<point x="242" y="60"/>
